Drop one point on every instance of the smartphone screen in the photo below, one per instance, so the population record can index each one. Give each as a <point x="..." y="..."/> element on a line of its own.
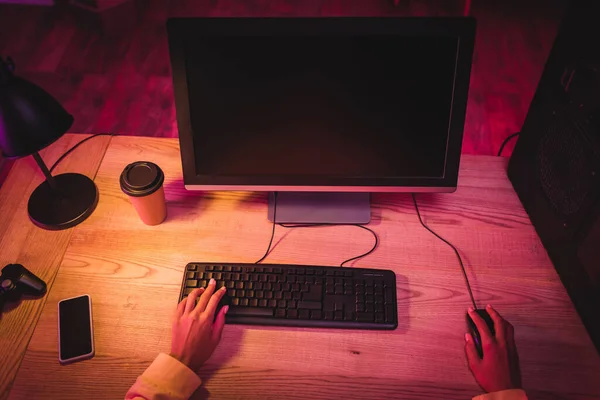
<point x="75" y="329"/>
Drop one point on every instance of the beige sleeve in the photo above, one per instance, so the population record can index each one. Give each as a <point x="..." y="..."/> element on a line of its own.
<point x="511" y="394"/>
<point x="165" y="378"/>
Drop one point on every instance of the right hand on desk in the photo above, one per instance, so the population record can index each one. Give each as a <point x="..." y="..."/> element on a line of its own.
<point x="499" y="368"/>
<point x="195" y="335"/>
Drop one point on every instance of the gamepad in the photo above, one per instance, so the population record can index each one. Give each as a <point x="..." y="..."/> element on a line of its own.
<point x="16" y="280"/>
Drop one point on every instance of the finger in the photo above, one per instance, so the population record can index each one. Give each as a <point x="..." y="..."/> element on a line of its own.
<point x="471" y="352"/>
<point x="219" y="325"/>
<point x="201" y="306"/>
<point x="191" y="299"/>
<point x="181" y="307"/>
<point x="211" y="307"/>
<point x="499" y="322"/>
<point x="484" y="331"/>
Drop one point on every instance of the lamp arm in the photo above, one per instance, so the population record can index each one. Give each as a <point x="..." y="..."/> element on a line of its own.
<point x="44" y="168"/>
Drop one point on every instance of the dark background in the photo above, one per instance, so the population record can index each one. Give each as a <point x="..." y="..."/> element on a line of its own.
<point x="111" y="69"/>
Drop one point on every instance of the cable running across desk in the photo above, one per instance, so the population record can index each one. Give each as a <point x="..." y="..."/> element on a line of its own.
<point x="76" y="146"/>
<point x="309" y="225"/>
<point x="449" y="244"/>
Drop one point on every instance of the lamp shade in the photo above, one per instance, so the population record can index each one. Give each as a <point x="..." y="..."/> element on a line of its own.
<point x="30" y="119"/>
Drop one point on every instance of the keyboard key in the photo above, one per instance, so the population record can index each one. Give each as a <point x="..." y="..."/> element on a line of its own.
<point x="259" y="294"/>
<point x="348" y="273"/>
<point x="277" y="286"/>
<point x="209" y="268"/>
<point x="240" y="293"/>
<point x="243" y="302"/>
<point x="282" y="304"/>
<point x="245" y="277"/>
<point x="263" y="303"/>
<point x="369" y="290"/>
<point x="268" y="295"/>
<point x="235" y="301"/>
<point x="192" y="267"/>
<point x="250" y="270"/>
<point x="227" y="268"/>
<point x="273" y="303"/>
<point x="369" y="307"/>
<point x="188" y="291"/>
<point x="272" y="278"/>
<point x="349" y="315"/>
<point x="231" y="293"/>
<point x="249" y="293"/>
<point x="249" y="285"/>
<point x="268" y="286"/>
<point x="328" y="315"/>
<point x="280" y="313"/>
<point x="329" y="289"/>
<point x="235" y="276"/>
<point x="250" y="311"/>
<point x="278" y="295"/>
<point x="190" y="275"/>
<point x="286" y="287"/>
<point x="219" y="285"/>
<point x="338" y="315"/>
<point x="268" y="270"/>
<point x="295" y="287"/>
<point x="239" y="285"/>
<point x="277" y="270"/>
<point x="191" y="283"/>
<point x="310" y="271"/>
<point x="253" y="303"/>
<point x="379" y="318"/>
<point x="292" y="304"/>
<point x="218" y="268"/>
<point x="226" y="276"/>
<point x="296" y="295"/>
<point x="389" y="293"/>
<point x="390" y="312"/>
<point x="287" y="295"/>
<point x="365" y="317"/>
<point x="339" y="273"/>
<point x="360" y="307"/>
<point x="259" y="269"/>
<point x="230" y="284"/>
<point x="237" y="269"/>
<point x="330" y="272"/>
<point x="292" y="313"/>
<point x="310" y="305"/>
<point x="300" y="271"/>
<point x="258" y="286"/>
<point x="316" y="314"/>
<point x="303" y="314"/>
<point x="378" y="299"/>
<point x="208" y="275"/>
<point x="203" y="283"/>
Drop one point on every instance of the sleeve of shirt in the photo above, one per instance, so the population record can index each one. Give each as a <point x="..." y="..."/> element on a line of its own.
<point x="511" y="394"/>
<point x="165" y="378"/>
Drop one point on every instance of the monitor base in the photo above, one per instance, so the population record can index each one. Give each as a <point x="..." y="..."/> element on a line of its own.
<point x="321" y="208"/>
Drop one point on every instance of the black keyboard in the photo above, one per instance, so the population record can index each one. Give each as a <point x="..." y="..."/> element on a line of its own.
<point x="301" y="295"/>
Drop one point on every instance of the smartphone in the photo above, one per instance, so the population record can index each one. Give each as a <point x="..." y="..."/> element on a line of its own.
<point x="75" y="330"/>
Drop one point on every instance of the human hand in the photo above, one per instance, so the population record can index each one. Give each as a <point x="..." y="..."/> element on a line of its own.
<point x="195" y="336"/>
<point x="499" y="369"/>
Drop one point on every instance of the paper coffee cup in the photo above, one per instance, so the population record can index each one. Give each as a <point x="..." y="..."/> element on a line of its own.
<point x="143" y="182"/>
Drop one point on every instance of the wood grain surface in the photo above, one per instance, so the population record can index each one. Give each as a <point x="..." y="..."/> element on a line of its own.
<point x="133" y="274"/>
<point x="38" y="250"/>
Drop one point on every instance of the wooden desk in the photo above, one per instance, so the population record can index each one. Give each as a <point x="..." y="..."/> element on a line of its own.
<point x="133" y="273"/>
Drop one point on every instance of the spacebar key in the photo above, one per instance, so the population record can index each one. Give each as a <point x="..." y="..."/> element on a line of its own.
<point x="250" y="311"/>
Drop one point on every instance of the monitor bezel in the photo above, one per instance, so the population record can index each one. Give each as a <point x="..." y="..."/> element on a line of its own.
<point x="461" y="27"/>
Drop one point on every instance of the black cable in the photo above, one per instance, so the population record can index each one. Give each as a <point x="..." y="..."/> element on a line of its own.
<point x="506" y="141"/>
<point x="453" y="248"/>
<point x="76" y="146"/>
<point x="321" y="225"/>
<point x="273" y="231"/>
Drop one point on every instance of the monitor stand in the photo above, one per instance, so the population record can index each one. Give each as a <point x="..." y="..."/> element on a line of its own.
<point x="321" y="208"/>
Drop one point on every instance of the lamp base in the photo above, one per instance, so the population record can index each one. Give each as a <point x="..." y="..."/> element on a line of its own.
<point x="74" y="200"/>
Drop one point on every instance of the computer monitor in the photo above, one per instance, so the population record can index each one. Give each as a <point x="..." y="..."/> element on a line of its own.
<point x="315" y="105"/>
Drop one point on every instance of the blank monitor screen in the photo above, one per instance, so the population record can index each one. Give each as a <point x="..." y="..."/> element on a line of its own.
<point x="320" y="108"/>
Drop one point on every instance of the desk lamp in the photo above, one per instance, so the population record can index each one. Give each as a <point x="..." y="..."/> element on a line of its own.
<point x="30" y="120"/>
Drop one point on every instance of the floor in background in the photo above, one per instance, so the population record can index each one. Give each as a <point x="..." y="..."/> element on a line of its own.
<point x="121" y="82"/>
